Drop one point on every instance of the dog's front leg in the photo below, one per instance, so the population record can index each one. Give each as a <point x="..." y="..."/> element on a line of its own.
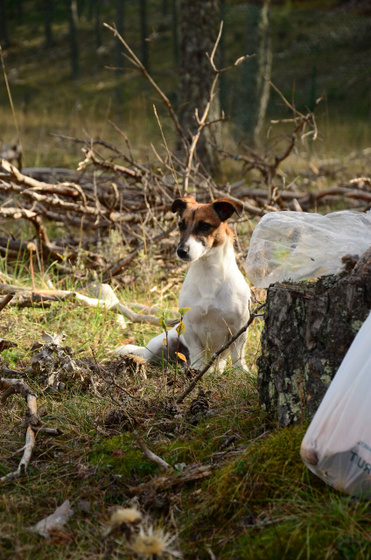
<point x="238" y="352"/>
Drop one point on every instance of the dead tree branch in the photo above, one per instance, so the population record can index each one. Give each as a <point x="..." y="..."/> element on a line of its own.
<point x="10" y="387"/>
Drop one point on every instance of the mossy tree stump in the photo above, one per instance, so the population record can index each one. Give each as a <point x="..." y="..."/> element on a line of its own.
<point x="309" y="327"/>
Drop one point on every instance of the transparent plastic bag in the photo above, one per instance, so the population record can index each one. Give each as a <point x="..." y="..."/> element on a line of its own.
<point x="337" y="444"/>
<point x="298" y="245"/>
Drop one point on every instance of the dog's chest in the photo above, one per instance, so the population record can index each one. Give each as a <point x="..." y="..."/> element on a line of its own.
<point x="214" y="299"/>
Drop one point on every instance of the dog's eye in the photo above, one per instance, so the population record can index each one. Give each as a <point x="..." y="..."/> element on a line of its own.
<point x="182" y="225"/>
<point x="204" y="226"/>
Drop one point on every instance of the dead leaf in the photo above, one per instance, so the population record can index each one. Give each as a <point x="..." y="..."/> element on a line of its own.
<point x="5" y="344"/>
<point x="56" y="339"/>
<point x="181" y="356"/>
<point x="47" y="526"/>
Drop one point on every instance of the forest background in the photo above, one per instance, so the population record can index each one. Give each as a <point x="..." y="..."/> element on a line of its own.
<point x="67" y="72"/>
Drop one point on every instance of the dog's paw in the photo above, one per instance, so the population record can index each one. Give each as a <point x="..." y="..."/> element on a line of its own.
<point x="132" y="350"/>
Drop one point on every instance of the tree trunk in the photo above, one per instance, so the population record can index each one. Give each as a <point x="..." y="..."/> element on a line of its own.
<point x="4" y="34"/>
<point x="199" y="26"/>
<point x="48" y="6"/>
<point x="119" y="21"/>
<point x="75" y="56"/>
<point x="264" y="73"/>
<point x="98" y="23"/>
<point x="308" y="330"/>
<point x="175" y="26"/>
<point x="143" y="33"/>
<point x="254" y="89"/>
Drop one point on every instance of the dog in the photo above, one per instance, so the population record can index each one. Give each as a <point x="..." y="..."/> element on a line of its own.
<point x="214" y="289"/>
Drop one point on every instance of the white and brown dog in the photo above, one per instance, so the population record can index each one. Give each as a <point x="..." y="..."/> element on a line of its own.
<point x="214" y="288"/>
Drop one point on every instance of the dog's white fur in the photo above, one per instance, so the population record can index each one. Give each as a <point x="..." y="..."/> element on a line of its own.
<point x="214" y="289"/>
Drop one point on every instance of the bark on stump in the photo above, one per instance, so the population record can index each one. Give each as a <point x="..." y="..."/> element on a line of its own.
<point x="309" y="327"/>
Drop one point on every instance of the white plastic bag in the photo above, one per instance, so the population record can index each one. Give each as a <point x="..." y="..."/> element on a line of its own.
<point x="299" y="245"/>
<point x="337" y="444"/>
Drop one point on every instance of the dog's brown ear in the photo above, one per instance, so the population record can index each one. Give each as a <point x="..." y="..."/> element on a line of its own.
<point x="180" y="204"/>
<point x="225" y="207"/>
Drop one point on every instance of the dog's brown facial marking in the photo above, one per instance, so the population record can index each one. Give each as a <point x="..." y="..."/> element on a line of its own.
<point x="203" y="226"/>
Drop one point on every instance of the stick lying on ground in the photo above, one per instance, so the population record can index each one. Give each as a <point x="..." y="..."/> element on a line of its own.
<point x="18" y="386"/>
<point x="150" y="455"/>
<point x="105" y="297"/>
<point x="9" y="387"/>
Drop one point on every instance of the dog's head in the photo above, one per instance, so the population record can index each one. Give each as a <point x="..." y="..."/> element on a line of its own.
<point x="203" y="226"/>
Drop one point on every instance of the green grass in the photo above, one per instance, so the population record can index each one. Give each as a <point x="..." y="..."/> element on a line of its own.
<point x="258" y="502"/>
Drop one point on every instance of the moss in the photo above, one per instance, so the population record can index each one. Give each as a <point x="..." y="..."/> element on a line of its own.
<point x="122" y="455"/>
<point x="208" y="436"/>
<point x="268" y="468"/>
<point x="355" y="326"/>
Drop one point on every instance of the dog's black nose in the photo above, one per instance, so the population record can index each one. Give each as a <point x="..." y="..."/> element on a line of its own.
<point x="182" y="253"/>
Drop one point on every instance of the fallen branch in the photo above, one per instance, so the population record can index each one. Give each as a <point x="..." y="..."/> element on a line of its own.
<point x="67" y="189"/>
<point x="4" y="302"/>
<point x="216" y="354"/>
<point x="10" y="387"/>
<point x="121" y="264"/>
<point x="150" y="455"/>
<point x="106" y="299"/>
<point x="164" y="482"/>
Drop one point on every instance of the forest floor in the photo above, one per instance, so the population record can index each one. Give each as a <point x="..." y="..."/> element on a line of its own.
<point x="234" y="488"/>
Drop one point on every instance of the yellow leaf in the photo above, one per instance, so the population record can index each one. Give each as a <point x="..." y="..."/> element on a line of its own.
<point x="181" y="328"/>
<point x="162" y="322"/>
<point x="181" y="356"/>
<point x="183" y="310"/>
<point x="164" y="341"/>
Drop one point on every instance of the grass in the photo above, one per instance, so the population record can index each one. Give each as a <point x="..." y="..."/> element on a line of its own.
<point x="258" y="502"/>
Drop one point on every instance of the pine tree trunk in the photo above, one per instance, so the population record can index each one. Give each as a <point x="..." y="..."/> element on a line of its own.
<point x="308" y="330"/>
<point x="48" y="6"/>
<point x="199" y="26"/>
<point x="75" y="55"/>
<point x="144" y="32"/>
<point x="4" y="34"/>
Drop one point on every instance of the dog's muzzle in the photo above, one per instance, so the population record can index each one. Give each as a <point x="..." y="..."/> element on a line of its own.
<point x="182" y="252"/>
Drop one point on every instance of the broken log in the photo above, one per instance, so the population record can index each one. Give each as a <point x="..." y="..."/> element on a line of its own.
<point x="309" y="327"/>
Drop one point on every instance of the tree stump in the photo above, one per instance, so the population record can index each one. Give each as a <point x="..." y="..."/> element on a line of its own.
<point x="309" y="327"/>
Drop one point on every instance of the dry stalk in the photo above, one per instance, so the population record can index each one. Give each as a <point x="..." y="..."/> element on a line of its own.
<point x="216" y="354"/>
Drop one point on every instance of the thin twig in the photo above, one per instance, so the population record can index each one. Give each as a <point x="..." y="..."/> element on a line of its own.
<point x="216" y="354"/>
<point x="4" y="302"/>
<point x="137" y="62"/>
<point x="150" y="455"/>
